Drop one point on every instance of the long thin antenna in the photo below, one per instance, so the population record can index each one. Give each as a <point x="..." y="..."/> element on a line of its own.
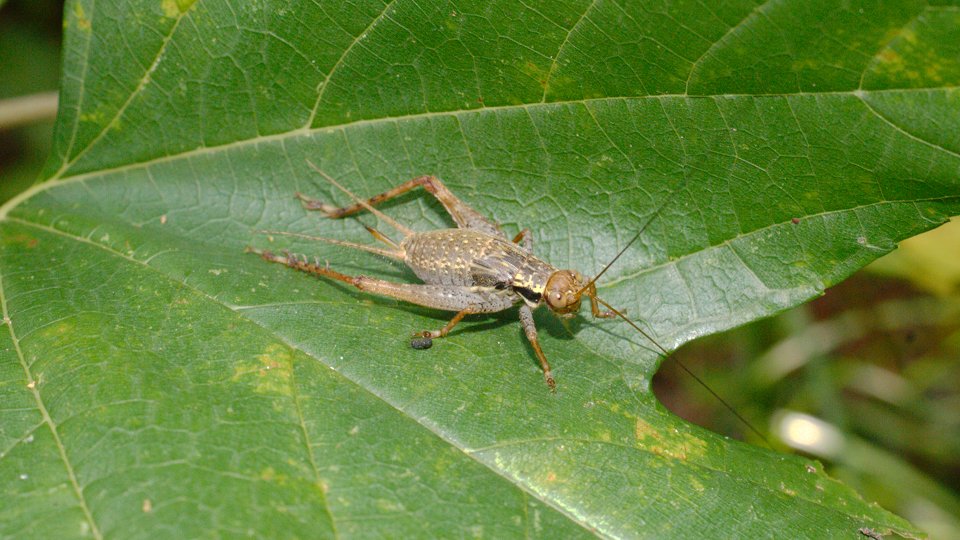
<point x="650" y="338"/>
<point x="635" y="237"/>
<point x="685" y="368"/>
<point x="397" y="254"/>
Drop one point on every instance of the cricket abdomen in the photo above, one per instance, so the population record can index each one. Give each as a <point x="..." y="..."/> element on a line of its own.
<point x="470" y="258"/>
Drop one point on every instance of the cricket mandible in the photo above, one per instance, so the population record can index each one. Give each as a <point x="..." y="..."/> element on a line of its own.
<point x="474" y="268"/>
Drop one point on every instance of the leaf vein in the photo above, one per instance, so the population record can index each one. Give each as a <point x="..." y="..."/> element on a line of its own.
<point x="300" y="132"/>
<point x="900" y="129"/>
<point x="675" y="261"/>
<point x="730" y="31"/>
<point x="556" y="57"/>
<point x="45" y="414"/>
<point x="141" y="84"/>
<point x="346" y="52"/>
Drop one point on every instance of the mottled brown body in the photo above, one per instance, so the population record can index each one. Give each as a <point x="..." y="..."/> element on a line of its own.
<point x="474" y="268"/>
<point x="472" y="258"/>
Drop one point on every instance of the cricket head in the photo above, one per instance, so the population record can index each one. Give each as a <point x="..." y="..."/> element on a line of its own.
<point x="563" y="291"/>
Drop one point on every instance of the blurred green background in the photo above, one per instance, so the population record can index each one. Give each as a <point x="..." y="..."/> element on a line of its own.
<point x="866" y="378"/>
<point x="30" y="39"/>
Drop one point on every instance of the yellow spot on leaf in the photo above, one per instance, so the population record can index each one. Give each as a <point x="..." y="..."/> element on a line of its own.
<point x="891" y="58"/>
<point x="389" y="506"/>
<point x="56" y="330"/>
<point x="271" y="372"/>
<point x="644" y="430"/>
<point x="536" y="72"/>
<point x="673" y="444"/>
<point x="932" y="72"/>
<point x="271" y="475"/>
<point x="94" y="117"/>
<point x="83" y="23"/>
<point x="805" y="64"/>
<point x="175" y="8"/>
<point x="697" y="485"/>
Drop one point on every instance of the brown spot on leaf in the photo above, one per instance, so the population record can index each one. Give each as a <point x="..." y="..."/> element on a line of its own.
<point x="23" y="240"/>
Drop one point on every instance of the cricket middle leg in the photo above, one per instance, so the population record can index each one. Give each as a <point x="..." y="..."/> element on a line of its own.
<point x="530" y="329"/>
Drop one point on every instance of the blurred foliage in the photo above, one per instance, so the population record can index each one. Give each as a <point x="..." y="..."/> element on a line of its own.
<point x="930" y="261"/>
<point x="30" y="39"/>
<point x="877" y="357"/>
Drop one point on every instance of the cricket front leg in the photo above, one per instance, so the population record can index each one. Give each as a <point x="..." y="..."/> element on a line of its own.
<point x="599" y="313"/>
<point x="530" y="329"/>
<point x="591" y="292"/>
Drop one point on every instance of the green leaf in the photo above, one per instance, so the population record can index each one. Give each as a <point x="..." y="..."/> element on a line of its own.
<point x="156" y="381"/>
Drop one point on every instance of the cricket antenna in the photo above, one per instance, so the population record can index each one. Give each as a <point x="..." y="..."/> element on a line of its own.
<point x="634" y="239"/>
<point x="589" y="287"/>
<point x="689" y="372"/>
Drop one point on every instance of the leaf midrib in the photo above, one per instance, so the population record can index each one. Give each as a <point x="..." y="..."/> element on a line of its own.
<point x="309" y="131"/>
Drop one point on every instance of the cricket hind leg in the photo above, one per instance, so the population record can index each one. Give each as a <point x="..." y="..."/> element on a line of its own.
<point x="300" y="263"/>
<point x="462" y="300"/>
<point x="445" y="297"/>
<point x="463" y="215"/>
<point x="309" y="204"/>
<point x="530" y="329"/>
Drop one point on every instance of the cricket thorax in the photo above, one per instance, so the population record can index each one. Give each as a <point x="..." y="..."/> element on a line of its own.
<point x="471" y="258"/>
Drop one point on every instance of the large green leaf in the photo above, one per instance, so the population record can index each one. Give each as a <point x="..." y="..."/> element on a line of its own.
<point x="156" y="381"/>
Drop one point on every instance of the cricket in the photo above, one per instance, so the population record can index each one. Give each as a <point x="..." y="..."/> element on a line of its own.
<point x="471" y="269"/>
<point x="474" y="268"/>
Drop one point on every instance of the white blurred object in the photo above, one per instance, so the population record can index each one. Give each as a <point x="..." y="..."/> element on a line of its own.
<point x="808" y="433"/>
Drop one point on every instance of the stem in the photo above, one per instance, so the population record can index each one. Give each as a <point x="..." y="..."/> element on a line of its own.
<point x="22" y="110"/>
